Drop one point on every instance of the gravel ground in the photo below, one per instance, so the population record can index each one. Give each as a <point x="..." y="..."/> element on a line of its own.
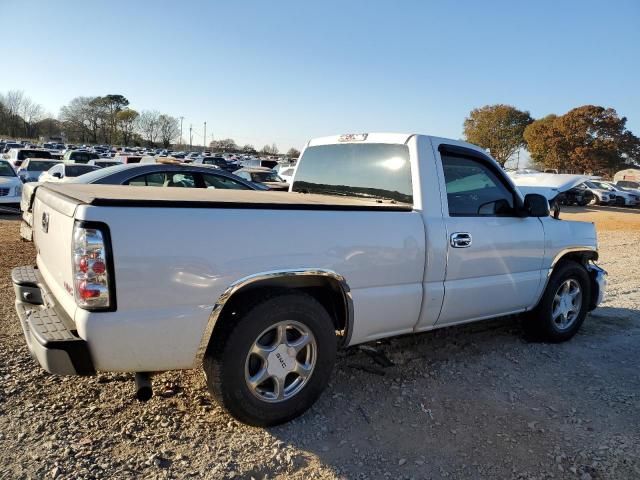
<point x="476" y="401"/>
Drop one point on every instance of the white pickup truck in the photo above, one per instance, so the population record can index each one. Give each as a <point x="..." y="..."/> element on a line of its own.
<point x="380" y="235"/>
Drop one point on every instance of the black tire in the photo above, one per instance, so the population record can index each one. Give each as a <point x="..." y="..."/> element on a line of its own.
<point x="620" y="202"/>
<point x="595" y="200"/>
<point x="224" y="363"/>
<point x="540" y="321"/>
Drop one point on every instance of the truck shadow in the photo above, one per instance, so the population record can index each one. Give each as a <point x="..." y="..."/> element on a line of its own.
<point x="468" y="397"/>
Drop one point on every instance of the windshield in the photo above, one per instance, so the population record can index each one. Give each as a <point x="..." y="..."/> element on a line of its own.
<point x="77" y="170"/>
<point x="6" y="170"/>
<point x="369" y="170"/>
<point x="40" y="165"/>
<point x="599" y="185"/>
<point x="24" y="154"/>
<point x="265" y="177"/>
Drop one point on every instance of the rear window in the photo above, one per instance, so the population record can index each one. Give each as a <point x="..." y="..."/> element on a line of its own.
<point x="77" y="170"/>
<point x="24" y="154"/>
<point x="39" y="166"/>
<point x="368" y="170"/>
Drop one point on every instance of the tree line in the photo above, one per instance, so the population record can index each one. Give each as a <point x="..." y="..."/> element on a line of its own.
<point x="588" y="139"/>
<point x="104" y="119"/>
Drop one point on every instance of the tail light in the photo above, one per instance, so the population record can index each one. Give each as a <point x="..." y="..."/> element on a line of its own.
<point x="92" y="277"/>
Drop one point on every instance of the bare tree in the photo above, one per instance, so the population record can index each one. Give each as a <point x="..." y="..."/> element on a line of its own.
<point x="31" y="113"/>
<point x="13" y="101"/>
<point x="148" y="125"/>
<point x="169" y="129"/>
<point x="127" y="123"/>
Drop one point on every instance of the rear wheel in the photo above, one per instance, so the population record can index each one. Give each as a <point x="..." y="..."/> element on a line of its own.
<point x="274" y="361"/>
<point x="564" y="304"/>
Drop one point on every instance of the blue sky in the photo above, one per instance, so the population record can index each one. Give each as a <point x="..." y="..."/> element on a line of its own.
<point x="285" y="71"/>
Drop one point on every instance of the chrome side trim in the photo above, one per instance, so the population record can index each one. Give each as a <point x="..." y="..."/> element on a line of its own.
<point x="258" y="277"/>
<point x="564" y="251"/>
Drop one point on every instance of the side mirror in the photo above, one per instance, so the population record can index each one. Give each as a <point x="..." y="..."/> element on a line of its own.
<point x="536" y="205"/>
<point x="56" y="175"/>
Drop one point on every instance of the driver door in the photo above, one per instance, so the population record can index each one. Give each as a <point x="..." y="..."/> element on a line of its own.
<point x="494" y="257"/>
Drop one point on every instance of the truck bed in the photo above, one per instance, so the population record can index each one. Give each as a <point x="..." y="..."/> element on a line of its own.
<point x="149" y="197"/>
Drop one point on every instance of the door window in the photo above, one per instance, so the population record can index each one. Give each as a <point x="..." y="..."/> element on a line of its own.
<point x="215" y="181"/>
<point x="164" y="179"/>
<point x="473" y="189"/>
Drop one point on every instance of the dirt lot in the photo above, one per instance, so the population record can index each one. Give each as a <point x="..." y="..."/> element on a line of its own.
<point x="467" y="402"/>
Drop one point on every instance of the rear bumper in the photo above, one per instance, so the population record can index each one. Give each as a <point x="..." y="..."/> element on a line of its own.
<point x="49" y="332"/>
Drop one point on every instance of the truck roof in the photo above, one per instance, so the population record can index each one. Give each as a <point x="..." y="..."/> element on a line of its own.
<point x="134" y="196"/>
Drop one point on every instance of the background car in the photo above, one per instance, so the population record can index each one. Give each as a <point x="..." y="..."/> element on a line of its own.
<point x="78" y="156"/>
<point x="16" y="156"/>
<point x="628" y="184"/>
<point x="579" y="195"/>
<point x="622" y="197"/>
<point x="31" y="169"/>
<point x="9" y="145"/>
<point x="10" y="186"/>
<point x="168" y="175"/>
<point x="601" y="195"/>
<point x="65" y="172"/>
<point x="102" y="163"/>
<point x="286" y="173"/>
<point x="264" y="176"/>
<point x="219" y="162"/>
<point x="141" y="174"/>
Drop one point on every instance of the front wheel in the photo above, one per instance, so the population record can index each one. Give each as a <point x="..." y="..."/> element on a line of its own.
<point x="275" y="360"/>
<point x="564" y="304"/>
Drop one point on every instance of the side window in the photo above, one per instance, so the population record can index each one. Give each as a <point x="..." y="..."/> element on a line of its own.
<point x="185" y="180"/>
<point x="56" y="169"/>
<point x="473" y="189"/>
<point x="151" y="180"/>
<point x="215" y="181"/>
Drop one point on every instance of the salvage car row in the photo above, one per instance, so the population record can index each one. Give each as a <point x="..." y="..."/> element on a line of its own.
<point x="25" y="165"/>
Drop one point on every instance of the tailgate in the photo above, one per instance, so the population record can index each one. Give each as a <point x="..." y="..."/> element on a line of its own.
<point x="52" y="233"/>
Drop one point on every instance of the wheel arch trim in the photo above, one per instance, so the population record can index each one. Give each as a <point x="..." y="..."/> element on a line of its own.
<point x="240" y="284"/>
<point x="591" y="251"/>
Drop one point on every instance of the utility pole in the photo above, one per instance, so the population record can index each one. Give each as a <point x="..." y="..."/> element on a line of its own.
<point x="190" y="136"/>
<point x="181" y="118"/>
<point x="204" y="138"/>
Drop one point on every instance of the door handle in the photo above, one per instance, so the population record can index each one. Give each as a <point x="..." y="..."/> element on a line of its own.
<point x="460" y="240"/>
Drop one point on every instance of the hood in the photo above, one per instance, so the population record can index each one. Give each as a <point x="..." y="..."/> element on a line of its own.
<point x="9" y="181"/>
<point x="547" y="184"/>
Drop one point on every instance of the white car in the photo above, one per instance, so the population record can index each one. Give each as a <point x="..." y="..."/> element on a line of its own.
<point x="631" y="196"/>
<point x="286" y="173"/>
<point x="623" y="198"/>
<point x="64" y="172"/>
<point x="601" y="195"/>
<point x="10" y="185"/>
<point x="16" y="156"/>
<point x="382" y="234"/>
